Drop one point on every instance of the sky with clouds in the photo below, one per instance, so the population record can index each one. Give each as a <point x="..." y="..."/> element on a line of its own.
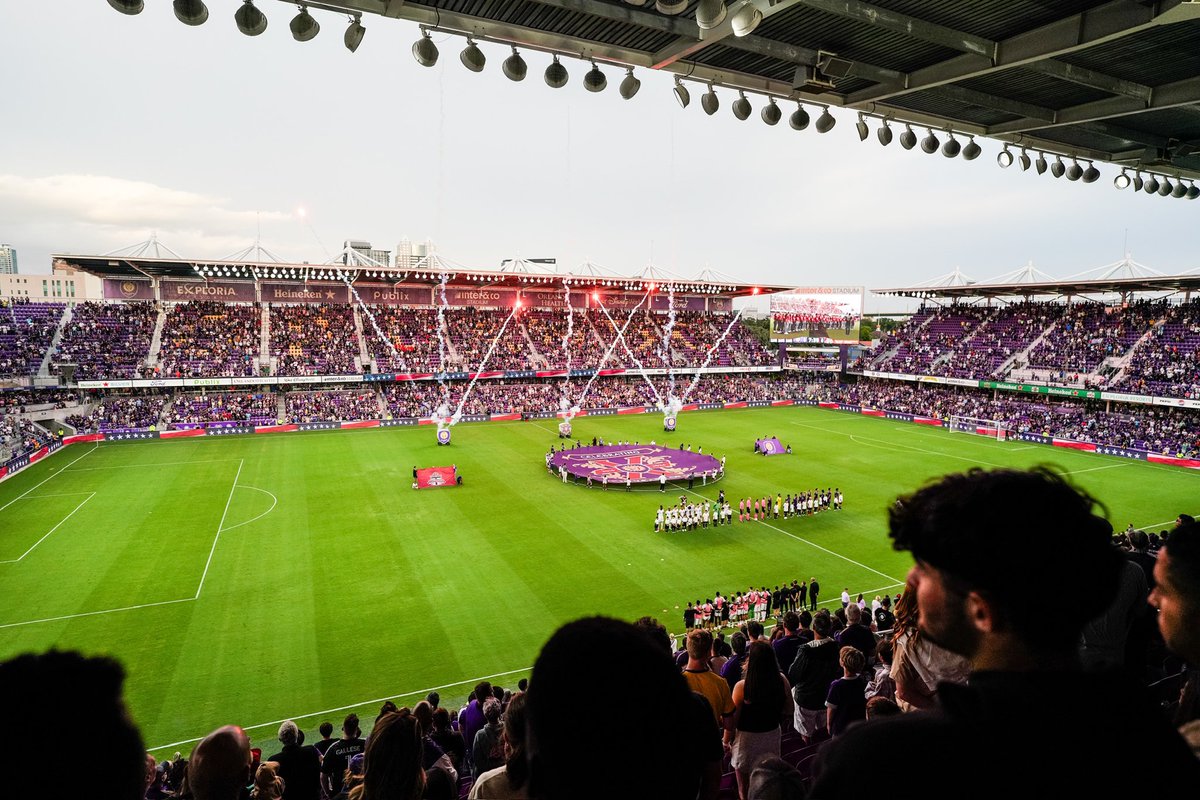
<point x="115" y="128"/>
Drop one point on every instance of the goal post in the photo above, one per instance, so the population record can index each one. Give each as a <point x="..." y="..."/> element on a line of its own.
<point x="991" y="428"/>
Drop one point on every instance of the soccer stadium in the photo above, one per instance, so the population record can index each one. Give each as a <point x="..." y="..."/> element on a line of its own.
<point x="393" y="525"/>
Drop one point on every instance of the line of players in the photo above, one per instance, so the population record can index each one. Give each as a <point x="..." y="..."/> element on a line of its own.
<point x="792" y="505"/>
<point x="752" y="604"/>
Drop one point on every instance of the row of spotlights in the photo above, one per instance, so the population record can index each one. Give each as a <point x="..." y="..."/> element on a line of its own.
<point x="250" y="20"/>
<point x="930" y="143"/>
<point x="1074" y="172"/>
<point x="1157" y="184"/>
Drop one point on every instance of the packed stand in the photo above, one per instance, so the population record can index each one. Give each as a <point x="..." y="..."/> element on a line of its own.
<point x="926" y="338"/>
<point x="314" y="339"/>
<point x="107" y="340"/>
<point x="1002" y="335"/>
<point x="411" y="331"/>
<point x="1168" y="363"/>
<point x="115" y="413"/>
<point x="1089" y="333"/>
<point x="208" y="408"/>
<point x="547" y="329"/>
<point x="26" y="331"/>
<point x="203" y="338"/>
<point x="323" y="406"/>
<point x="23" y="399"/>
<point x="20" y="436"/>
<point x="472" y="331"/>
<point x="741" y="348"/>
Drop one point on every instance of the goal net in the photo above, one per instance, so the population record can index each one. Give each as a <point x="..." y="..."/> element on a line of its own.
<point x="991" y="428"/>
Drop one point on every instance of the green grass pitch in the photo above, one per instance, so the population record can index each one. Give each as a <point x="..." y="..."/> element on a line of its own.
<point x="251" y="579"/>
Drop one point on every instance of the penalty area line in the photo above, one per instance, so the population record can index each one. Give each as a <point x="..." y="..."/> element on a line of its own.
<point x="96" y="613"/>
<point x="220" y="527"/>
<point x="90" y="495"/>
<point x="52" y="475"/>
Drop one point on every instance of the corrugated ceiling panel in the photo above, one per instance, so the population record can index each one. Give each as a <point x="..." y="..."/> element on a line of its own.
<point x="1157" y="56"/>
<point x="991" y="19"/>
<point x="930" y="102"/>
<point x="1034" y="87"/>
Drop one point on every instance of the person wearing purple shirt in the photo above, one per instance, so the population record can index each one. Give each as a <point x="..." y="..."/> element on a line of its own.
<point x="786" y="647"/>
<point x="733" y="667"/>
<point x="472" y="720"/>
<point x="847" y="699"/>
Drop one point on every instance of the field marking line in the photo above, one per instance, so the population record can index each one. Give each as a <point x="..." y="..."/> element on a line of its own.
<point x="913" y="430"/>
<point x="95" y="613"/>
<point x="90" y="495"/>
<point x="156" y="464"/>
<point x="217" y="538"/>
<point x="1026" y="447"/>
<point x="414" y="693"/>
<point x="57" y="494"/>
<point x="802" y="539"/>
<point x="900" y="448"/>
<point x="1096" y="469"/>
<point x="274" y="502"/>
<point x="52" y="475"/>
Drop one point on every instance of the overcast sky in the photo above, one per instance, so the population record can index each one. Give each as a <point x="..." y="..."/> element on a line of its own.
<point x="116" y="127"/>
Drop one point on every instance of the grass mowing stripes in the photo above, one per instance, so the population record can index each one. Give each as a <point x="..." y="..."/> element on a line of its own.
<point x="333" y="583"/>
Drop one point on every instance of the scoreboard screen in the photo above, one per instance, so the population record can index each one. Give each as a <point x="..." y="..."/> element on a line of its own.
<point x="817" y="314"/>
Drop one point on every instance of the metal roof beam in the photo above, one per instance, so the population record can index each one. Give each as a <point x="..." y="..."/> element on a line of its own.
<point x="1087" y="77"/>
<point x="909" y="26"/>
<point x="1111" y="21"/>
<point x="994" y="102"/>
<point x="1170" y="95"/>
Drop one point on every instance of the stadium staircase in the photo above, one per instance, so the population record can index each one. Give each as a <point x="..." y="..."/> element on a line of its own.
<point x="44" y="367"/>
<point x="281" y="407"/>
<point x="264" y="343"/>
<point x="1023" y="356"/>
<point x="536" y="360"/>
<point x="364" y="357"/>
<point x="884" y="357"/>
<point x="156" y="339"/>
<point x="1121" y="364"/>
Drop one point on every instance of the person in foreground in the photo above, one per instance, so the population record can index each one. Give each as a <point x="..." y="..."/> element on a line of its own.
<point x="1176" y="595"/>
<point x="1029" y="722"/>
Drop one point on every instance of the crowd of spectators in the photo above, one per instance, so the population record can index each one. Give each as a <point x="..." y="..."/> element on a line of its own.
<point x="314" y="339"/>
<point x="548" y="328"/>
<point x="20" y="400"/>
<point x="205" y="408"/>
<point x="1168" y="363"/>
<point x="472" y="331"/>
<point x="1002" y="335"/>
<point x="113" y="412"/>
<point x="411" y="331"/>
<point x="19" y="436"/>
<point x="203" y="338"/>
<point x="1089" y="333"/>
<point x="320" y="406"/>
<point x="107" y="340"/>
<point x="26" y="331"/>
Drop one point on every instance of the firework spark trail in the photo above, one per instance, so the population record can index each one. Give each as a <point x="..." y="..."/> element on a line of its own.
<point x="566" y="347"/>
<point x="664" y="352"/>
<point x="441" y="321"/>
<point x="608" y="352"/>
<point x="375" y="325"/>
<point x="462" y="401"/>
<point x="641" y="369"/>
<point x="708" y="356"/>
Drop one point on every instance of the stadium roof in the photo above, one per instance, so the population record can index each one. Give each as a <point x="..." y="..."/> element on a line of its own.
<point x="427" y="271"/>
<point x="1119" y="278"/>
<point x="1115" y="81"/>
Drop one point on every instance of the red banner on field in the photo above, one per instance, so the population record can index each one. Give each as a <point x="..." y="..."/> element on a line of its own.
<point x="872" y="412"/>
<point x="434" y="477"/>
<point x="1088" y="446"/>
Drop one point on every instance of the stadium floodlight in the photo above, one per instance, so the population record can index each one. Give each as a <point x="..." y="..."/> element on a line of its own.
<point x="1091" y="174"/>
<point x="595" y="80"/>
<point x="1193" y="191"/>
<point x="861" y="126"/>
<point x="1180" y="190"/>
<point x="710" y="14"/>
<point x="629" y="84"/>
<point x="304" y="27"/>
<point x="771" y="113"/>
<point x="908" y="139"/>
<point x="682" y="96"/>
<point x="741" y="106"/>
<point x="884" y="134"/>
<point x="191" y="12"/>
<point x="514" y="67"/>
<point x="1040" y="165"/>
<point x="1024" y="160"/>
<point x="799" y="118"/>
<point x="952" y="147"/>
<point x="129" y="7"/>
<point x="930" y="143"/>
<point x="1165" y="187"/>
<point x="972" y="150"/>
<point x="826" y="121"/>
<point x="472" y="57"/>
<point x="1058" y="167"/>
<point x="249" y="19"/>
<point x="1004" y="158"/>
<point x="709" y="101"/>
<point x="424" y="50"/>
<point x="1151" y="185"/>
<point x="746" y="19"/>
<point x="1074" y="172"/>
<point x="1122" y="181"/>
<point x="354" y="34"/>
<point x="556" y="74"/>
<point x="671" y="7"/>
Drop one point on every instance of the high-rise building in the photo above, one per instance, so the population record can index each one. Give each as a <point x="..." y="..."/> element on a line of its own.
<point x="409" y="254"/>
<point x="381" y="257"/>
<point x="8" y="259"/>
